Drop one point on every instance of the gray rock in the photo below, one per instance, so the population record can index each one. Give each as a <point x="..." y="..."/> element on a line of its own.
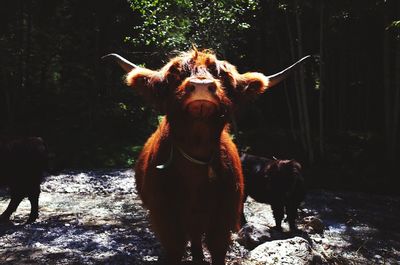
<point x="313" y="224"/>
<point x="290" y="251"/>
<point x="252" y="235"/>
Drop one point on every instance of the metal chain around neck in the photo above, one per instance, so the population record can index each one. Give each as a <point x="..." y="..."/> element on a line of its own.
<point x="194" y="160"/>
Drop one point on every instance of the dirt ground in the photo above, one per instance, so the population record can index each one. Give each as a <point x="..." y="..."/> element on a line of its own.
<point x="95" y="217"/>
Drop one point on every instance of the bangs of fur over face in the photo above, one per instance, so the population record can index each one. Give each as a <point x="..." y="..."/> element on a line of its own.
<point x="194" y="63"/>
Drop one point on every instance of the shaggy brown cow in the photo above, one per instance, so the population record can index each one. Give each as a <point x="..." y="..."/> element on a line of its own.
<point x="276" y="182"/>
<point x="22" y="164"/>
<point x="189" y="174"/>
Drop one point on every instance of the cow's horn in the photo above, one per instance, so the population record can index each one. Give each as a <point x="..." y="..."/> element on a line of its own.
<point x="278" y="77"/>
<point x="124" y="63"/>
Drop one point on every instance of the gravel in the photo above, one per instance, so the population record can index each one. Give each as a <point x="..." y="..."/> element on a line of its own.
<point x="96" y="217"/>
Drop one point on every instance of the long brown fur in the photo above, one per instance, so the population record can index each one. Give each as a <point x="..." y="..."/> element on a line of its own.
<point x="185" y="201"/>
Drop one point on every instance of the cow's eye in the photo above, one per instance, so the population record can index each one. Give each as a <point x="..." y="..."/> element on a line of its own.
<point x="189" y="88"/>
<point x="212" y="88"/>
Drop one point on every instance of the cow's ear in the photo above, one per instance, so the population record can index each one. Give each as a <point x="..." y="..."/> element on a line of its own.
<point x="270" y="168"/>
<point x="252" y="84"/>
<point x="295" y="164"/>
<point x="245" y="86"/>
<point x="150" y="85"/>
<point x="145" y="82"/>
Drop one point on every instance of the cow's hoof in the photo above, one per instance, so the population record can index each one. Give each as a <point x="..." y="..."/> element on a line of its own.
<point x="277" y="228"/>
<point x="31" y="220"/>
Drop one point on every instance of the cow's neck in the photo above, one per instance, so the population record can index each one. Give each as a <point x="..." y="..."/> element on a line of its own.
<point x="198" y="139"/>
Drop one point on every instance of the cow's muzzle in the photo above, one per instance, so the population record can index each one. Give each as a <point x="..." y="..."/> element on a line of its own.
<point x="201" y="108"/>
<point x="201" y="101"/>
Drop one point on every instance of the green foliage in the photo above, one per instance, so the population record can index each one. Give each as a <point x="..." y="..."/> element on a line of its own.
<point x="396" y="24"/>
<point x="53" y="83"/>
<point x="175" y="25"/>
<point x="395" y="27"/>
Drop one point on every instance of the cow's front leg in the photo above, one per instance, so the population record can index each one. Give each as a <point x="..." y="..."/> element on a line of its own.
<point x="196" y="247"/>
<point x="218" y="240"/>
<point x="169" y="231"/>
<point x="291" y="211"/>
<point x="34" y="200"/>
<point x="12" y="207"/>
<point x="278" y="212"/>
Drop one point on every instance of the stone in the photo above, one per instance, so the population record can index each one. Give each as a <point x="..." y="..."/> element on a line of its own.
<point x="295" y="250"/>
<point x="313" y="224"/>
<point x="251" y="235"/>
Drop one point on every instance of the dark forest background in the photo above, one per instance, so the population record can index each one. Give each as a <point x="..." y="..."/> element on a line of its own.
<point x="339" y="115"/>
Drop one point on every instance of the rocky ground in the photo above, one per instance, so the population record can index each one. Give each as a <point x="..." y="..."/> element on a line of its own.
<point x="96" y="218"/>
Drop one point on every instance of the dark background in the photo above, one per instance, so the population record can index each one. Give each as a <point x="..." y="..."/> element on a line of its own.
<point x="339" y="116"/>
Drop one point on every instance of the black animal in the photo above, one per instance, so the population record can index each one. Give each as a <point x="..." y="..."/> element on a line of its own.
<point x="276" y="182"/>
<point x="22" y="165"/>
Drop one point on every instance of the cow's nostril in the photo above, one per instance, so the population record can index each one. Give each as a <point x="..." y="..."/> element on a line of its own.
<point x="189" y="88"/>
<point x="212" y="88"/>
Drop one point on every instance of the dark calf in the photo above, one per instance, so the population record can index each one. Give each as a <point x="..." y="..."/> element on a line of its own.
<point x="22" y="164"/>
<point x="276" y="182"/>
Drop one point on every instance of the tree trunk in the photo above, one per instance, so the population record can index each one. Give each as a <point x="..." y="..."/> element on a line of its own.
<point x="285" y="88"/>
<point x="389" y="84"/>
<point x="290" y="109"/>
<point x="321" y="80"/>
<point x="15" y="92"/>
<point x="303" y="94"/>
<point x="28" y="47"/>
<point x="26" y="91"/>
<point x="396" y="106"/>
<point x="296" y="84"/>
<point x="5" y="87"/>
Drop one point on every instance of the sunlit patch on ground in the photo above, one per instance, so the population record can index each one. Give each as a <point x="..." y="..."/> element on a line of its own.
<point x="90" y="217"/>
<point x="85" y="218"/>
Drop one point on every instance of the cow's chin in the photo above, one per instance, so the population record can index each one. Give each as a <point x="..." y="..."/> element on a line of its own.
<point x="201" y="109"/>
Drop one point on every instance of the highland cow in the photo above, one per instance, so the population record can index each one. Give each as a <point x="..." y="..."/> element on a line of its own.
<point x="276" y="182"/>
<point x="189" y="173"/>
<point x="22" y="165"/>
